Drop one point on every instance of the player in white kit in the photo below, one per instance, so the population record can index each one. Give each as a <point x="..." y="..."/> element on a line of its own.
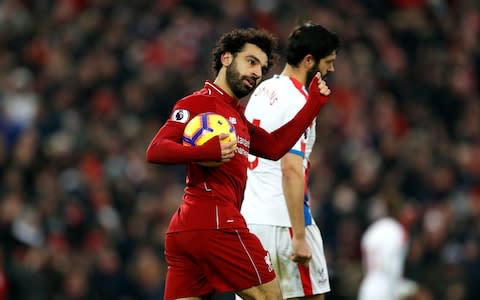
<point x="384" y="248"/>
<point x="276" y="199"/>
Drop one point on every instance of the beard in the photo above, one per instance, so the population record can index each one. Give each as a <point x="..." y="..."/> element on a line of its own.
<point x="311" y="73"/>
<point x="236" y="81"/>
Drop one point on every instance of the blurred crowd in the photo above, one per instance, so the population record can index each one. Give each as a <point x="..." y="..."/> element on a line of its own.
<point x="85" y="84"/>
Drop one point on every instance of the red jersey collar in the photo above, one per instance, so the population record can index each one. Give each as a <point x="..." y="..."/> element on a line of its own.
<point x="215" y="89"/>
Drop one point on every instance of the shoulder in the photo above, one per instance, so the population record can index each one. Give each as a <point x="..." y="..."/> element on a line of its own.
<point x="278" y="89"/>
<point x="190" y="106"/>
<point x="276" y="82"/>
<point x="287" y="88"/>
<point x="392" y="224"/>
<point x="196" y="102"/>
<point x="390" y="227"/>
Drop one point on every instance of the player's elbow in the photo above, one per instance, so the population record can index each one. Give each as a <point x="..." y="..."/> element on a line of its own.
<point x="290" y="172"/>
<point x="151" y="154"/>
<point x="292" y="165"/>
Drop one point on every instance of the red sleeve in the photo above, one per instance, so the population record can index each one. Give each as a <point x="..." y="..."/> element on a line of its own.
<point x="167" y="148"/>
<point x="275" y="144"/>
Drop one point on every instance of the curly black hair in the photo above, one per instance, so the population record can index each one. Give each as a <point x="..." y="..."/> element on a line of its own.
<point x="235" y="40"/>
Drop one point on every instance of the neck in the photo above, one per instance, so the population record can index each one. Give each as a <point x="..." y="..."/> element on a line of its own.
<point x="296" y="73"/>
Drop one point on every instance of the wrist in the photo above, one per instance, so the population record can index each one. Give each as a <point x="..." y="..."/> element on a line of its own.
<point x="299" y="236"/>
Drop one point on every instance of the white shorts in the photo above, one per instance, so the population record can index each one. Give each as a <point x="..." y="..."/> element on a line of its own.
<point x="295" y="280"/>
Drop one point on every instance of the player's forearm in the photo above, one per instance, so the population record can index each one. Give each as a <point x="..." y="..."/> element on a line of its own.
<point x="275" y="144"/>
<point x="165" y="148"/>
<point x="293" y="189"/>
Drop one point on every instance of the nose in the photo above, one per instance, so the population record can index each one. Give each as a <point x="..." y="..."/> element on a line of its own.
<point x="257" y="72"/>
<point x="332" y="68"/>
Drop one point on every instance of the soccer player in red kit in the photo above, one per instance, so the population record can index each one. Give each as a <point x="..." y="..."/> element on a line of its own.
<point x="208" y="247"/>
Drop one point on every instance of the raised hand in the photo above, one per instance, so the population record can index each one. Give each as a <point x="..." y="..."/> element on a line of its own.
<point x="322" y="86"/>
<point x="318" y="86"/>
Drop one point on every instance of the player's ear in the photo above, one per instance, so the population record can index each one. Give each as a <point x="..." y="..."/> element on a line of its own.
<point x="308" y="61"/>
<point x="226" y="58"/>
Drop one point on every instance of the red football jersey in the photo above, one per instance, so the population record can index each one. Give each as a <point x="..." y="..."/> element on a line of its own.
<point x="213" y="195"/>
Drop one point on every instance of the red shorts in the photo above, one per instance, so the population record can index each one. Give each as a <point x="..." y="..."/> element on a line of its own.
<point x="203" y="261"/>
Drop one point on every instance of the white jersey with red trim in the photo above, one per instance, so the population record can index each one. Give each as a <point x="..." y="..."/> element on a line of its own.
<point x="384" y="247"/>
<point x="274" y="102"/>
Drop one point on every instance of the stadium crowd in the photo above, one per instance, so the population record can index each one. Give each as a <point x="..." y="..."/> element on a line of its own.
<point x="84" y="84"/>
